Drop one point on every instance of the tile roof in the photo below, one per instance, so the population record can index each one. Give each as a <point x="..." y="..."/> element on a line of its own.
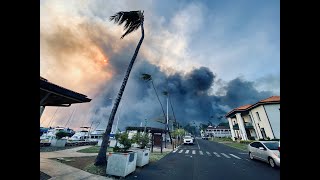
<point x="271" y="99"/>
<point x="244" y="107"/>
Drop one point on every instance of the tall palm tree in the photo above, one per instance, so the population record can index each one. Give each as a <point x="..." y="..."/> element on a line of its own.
<point x="148" y="77"/>
<point x="132" y="21"/>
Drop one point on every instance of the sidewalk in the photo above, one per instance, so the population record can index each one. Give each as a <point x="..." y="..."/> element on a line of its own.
<point x="62" y="171"/>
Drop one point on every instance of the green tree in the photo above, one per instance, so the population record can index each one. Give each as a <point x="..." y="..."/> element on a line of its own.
<point x="61" y="134"/>
<point x="142" y="139"/>
<point x="124" y="140"/>
<point x="132" y="21"/>
<point x="179" y="133"/>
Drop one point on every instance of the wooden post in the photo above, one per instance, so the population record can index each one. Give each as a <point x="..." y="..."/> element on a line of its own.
<point x="152" y="141"/>
<point x="161" y="142"/>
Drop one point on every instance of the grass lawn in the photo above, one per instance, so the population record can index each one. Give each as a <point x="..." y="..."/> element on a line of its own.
<point x="243" y="147"/>
<point x="87" y="163"/>
<point x="229" y="142"/>
<point x="94" y="149"/>
<point x="156" y="156"/>
<point x="221" y="139"/>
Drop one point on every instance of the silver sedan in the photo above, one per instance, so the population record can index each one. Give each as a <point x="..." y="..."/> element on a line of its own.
<point x="267" y="151"/>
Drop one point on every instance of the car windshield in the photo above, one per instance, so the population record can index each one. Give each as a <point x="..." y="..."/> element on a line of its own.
<point x="272" y="145"/>
<point x="187" y="137"/>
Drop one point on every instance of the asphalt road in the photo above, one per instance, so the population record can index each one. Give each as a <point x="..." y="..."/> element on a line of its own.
<point x="206" y="160"/>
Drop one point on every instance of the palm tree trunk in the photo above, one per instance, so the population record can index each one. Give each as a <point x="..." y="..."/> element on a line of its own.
<point x="102" y="158"/>
<point x="158" y="99"/>
<point x="166" y="126"/>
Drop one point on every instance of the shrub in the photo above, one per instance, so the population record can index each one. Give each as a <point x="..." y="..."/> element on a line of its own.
<point x="141" y="139"/>
<point x="268" y="139"/>
<point x="245" y="142"/>
<point x="124" y="140"/>
<point x="61" y="134"/>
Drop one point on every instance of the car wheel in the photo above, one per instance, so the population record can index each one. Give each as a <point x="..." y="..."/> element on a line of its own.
<point x="271" y="162"/>
<point x="251" y="156"/>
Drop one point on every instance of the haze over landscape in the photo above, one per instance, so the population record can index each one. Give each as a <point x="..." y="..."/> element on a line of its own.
<point x="209" y="61"/>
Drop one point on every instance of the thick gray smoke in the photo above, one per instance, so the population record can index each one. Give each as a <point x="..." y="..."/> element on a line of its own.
<point x="190" y="94"/>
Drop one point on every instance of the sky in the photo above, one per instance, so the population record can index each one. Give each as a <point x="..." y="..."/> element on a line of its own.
<point x="211" y="55"/>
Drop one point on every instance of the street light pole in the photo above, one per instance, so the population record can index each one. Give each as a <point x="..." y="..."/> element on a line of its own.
<point x="167" y="119"/>
<point x="145" y="125"/>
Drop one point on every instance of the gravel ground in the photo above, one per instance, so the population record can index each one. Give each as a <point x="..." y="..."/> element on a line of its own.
<point x="78" y="162"/>
<point x="44" y="176"/>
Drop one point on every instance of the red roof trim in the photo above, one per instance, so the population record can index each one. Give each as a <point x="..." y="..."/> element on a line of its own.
<point x="269" y="100"/>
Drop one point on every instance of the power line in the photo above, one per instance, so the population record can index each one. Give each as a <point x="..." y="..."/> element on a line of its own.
<point x="70" y="117"/>
<point x="175" y="120"/>
<point x="52" y="117"/>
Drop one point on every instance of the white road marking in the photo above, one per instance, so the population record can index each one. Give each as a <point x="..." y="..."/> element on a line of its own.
<point x="174" y="151"/>
<point x="208" y="153"/>
<point x="235" y="156"/>
<point x="201" y="153"/>
<point x="225" y="155"/>
<point x="193" y="151"/>
<point x="180" y="151"/>
<point x="216" y="154"/>
<point x="187" y="151"/>
<point x="243" y="153"/>
<point x="198" y="145"/>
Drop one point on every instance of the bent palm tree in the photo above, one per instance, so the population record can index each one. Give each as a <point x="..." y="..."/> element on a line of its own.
<point x="133" y="20"/>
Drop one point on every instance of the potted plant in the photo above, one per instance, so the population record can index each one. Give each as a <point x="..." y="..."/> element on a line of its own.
<point x="58" y="141"/>
<point x="121" y="161"/>
<point x="143" y="154"/>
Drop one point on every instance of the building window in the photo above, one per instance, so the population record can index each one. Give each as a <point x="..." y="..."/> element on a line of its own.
<point x="263" y="133"/>
<point x="258" y="116"/>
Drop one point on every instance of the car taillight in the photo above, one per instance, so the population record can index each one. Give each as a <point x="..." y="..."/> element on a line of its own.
<point x="279" y="148"/>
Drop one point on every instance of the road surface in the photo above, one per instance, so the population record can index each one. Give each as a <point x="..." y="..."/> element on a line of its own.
<point x="206" y="160"/>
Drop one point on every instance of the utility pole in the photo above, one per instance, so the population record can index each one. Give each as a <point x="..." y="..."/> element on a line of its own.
<point x="165" y="144"/>
<point x="145" y="125"/>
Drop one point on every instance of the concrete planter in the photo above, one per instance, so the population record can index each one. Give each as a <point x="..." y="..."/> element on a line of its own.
<point x="142" y="157"/>
<point x="121" y="164"/>
<point x="58" y="142"/>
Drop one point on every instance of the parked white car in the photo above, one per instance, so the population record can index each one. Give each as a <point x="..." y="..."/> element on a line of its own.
<point x="188" y="140"/>
<point x="267" y="151"/>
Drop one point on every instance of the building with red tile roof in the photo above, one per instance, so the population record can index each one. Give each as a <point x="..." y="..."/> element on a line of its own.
<point x="260" y="120"/>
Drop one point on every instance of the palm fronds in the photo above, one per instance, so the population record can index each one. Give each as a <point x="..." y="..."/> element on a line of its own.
<point x="146" y="77"/>
<point x="131" y="19"/>
<point x="165" y="93"/>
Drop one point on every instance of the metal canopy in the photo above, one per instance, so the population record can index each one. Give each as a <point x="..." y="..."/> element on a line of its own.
<point x="54" y="95"/>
